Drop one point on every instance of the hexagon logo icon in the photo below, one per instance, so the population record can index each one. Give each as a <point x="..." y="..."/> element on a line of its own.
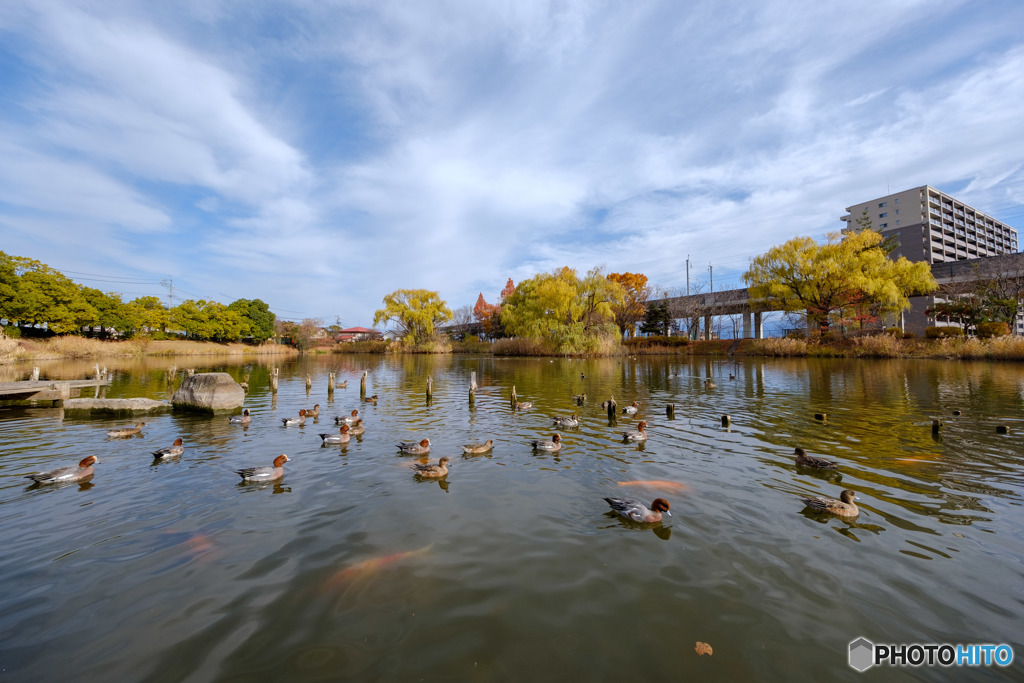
<point x="862" y="654"/>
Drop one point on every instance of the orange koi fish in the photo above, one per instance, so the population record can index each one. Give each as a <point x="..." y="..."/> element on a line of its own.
<point x="675" y="486"/>
<point x="366" y="567"/>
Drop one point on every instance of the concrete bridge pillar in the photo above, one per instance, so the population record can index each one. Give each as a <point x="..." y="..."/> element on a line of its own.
<point x="746" y="324"/>
<point x="707" y="327"/>
<point x="758" y="326"/>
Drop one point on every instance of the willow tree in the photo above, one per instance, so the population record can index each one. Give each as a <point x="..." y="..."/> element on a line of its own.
<point x="564" y="309"/>
<point x="837" y="280"/>
<point x="415" y="312"/>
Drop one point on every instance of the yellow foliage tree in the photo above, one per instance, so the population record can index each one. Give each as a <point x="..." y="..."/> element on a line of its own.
<point x="838" y="280"/>
<point x="414" y="312"/>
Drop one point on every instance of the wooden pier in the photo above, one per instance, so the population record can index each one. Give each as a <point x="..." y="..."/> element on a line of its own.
<point x="40" y="390"/>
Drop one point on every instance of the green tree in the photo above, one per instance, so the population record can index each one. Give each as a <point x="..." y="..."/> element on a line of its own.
<point x="8" y="286"/>
<point x="259" y="317"/>
<point x="45" y="296"/>
<point x="147" y="313"/>
<point x="414" y="312"/>
<point x="656" y="319"/>
<point x="833" y="279"/>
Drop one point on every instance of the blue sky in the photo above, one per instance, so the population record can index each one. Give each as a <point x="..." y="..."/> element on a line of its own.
<point x="319" y="155"/>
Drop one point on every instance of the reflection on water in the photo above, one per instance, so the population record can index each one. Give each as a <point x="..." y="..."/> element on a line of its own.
<point x="512" y="566"/>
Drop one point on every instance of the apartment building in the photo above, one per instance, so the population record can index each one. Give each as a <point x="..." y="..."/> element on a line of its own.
<point x="934" y="227"/>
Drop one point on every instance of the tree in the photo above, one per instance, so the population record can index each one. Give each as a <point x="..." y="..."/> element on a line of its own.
<point x="415" y="312"/>
<point x="489" y="316"/>
<point x="148" y="312"/>
<point x="45" y="296"/>
<point x="656" y="319"/>
<point x="835" y="278"/>
<point x="258" y="316"/>
<point x="633" y="307"/>
<point x="562" y="309"/>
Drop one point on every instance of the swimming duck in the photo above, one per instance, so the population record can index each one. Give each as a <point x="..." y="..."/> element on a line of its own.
<point x="347" y="419"/>
<point x="300" y="420"/>
<point x="357" y="427"/>
<point x="568" y="422"/>
<point x="637" y="511"/>
<point x="845" y="507"/>
<point x="341" y="437"/>
<point x="371" y="399"/>
<point x="242" y="419"/>
<point x="265" y="473"/>
<point x="433" y="471"/>
<point x="631" y="409"/>
<point x="710" y="384"/>
<point x="605" y="404"/>
<point x="638" y="434"/>
<point x="804" y="460"/>
<point x="554" y="445"/>
<point x="478" y="447"/>
<point x="524" y="405"/>
<point x="126" y="431"/>
<point x="732" y="376"/>
<point x="414" y="448"/>
<point x="341" y="385"/>
<point x="172" y="451"/>
<point x="314" y="413"/>
<point x="82" y="470"/>
<point x="580" y="400"/>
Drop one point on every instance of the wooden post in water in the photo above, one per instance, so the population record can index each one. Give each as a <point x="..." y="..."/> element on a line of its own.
<point x="330" y="384"/>
<point x="670" y="410"/>
<point x="362" y="385"/>
<point x="726" y="420"/>
<point x="936" y="426"/>
<point x="430" y="388"/>
<point x="35" y="374"/>
<point x="611" y="409"/>
<point x="273" y="380"/>
<point x="309" y="383"/>
<point x="472" y="387"/>
<point x="97" y="372"/>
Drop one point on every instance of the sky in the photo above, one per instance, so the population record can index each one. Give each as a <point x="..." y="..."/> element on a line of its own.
<point x="321" y="154"/>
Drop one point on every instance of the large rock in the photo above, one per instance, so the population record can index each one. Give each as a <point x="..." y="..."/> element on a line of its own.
<point x="208" y="392"/>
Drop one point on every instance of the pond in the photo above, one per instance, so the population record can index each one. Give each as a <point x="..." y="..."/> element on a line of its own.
<point x="513" y="567"/>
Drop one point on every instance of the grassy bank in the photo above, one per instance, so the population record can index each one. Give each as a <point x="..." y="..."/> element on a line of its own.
<point x="56" y="348"/>
<point x="885" y="346"/>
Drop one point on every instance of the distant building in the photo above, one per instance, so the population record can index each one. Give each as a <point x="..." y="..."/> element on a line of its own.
<point x="354" y="334"/>
<point x="934" y="227"/>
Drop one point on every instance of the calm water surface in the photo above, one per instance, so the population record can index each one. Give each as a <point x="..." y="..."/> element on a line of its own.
<point x="511" y="568"/>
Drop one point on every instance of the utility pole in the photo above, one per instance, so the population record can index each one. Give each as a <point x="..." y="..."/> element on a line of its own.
<point x="687" y="275"/>
<point x="711" y="277"/>
<point x="169" y="284"/>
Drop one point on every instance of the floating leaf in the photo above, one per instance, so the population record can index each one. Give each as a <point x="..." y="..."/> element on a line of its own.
<point x="703" y="648"/>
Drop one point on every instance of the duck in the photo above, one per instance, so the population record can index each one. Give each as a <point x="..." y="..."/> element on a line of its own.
<point x="554" y="445"/>
<point x="357" y="427"/>
<point x="172" y="451"/>
<point x="567" y="422"/>
<point x="638" y="434"/>
<point x="580" y="400"/>
<point x="83" y="470"/>
<point x="314" y="413"/>
<point x="347" y="419"/>
<point x="478" y="447"/>
<point x="126" y="431"/>
<point x="524" y="405"/>
<point x="300" y="420"/>
<point x="414" y="448"/>
<point x="265" y="473"/>
<point x="804" y="460"/>
<point x="631" y="409"/>
<point x="732" y="376"/>
<point x="605" y="404"/>
<point x="370" y="399"/>
<point x="243" y="419"/>
<point x="341" y="385"/>
<point x="637" y="511"/>
<point x="341" y="437"/>
<point x="710" y="384"/>
<point x="433" y="471"/>
<point x="844" y="507"/>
